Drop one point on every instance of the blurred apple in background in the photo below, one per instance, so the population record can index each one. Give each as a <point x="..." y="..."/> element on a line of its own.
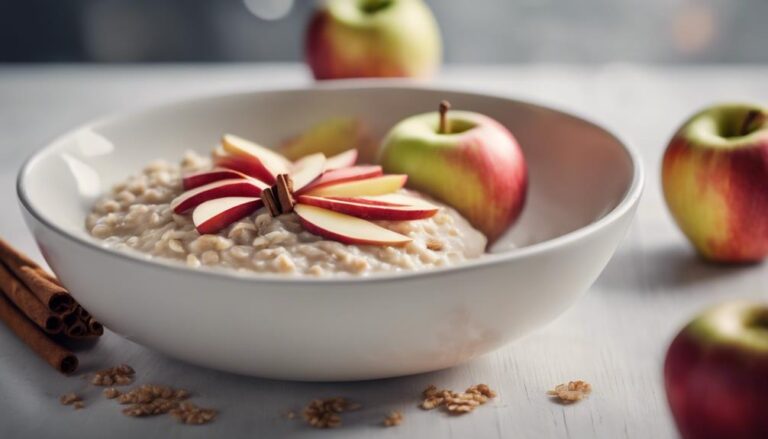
<point x="715" y="179"/>
<point x="373" y="38"/>
<point x="464" y="159"/>
<point x="716" y="374"/>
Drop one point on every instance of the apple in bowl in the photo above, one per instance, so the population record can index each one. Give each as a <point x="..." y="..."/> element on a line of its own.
<point x="715" y="179"/>
<point x="373" y="38"/>
<point x="716" y="373"/>
<point x="465" y="159"/>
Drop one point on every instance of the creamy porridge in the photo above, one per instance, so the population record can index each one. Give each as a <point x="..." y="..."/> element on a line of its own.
<point x="137" y="215"/>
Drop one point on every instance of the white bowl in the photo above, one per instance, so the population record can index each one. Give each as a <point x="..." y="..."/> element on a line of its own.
<point x="584" y="188"/>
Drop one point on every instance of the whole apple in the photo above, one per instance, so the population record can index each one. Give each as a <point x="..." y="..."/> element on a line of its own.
<point x="373" y="38"/>
<point x="715" y="179"/>
<point x="464" y="159"/>
<point x="716" y="374"/>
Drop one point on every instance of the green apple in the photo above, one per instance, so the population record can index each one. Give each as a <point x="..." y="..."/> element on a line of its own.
<point x="465" y="159"/>
<point x="715" y="179"/>
<point x="373" y="38"/>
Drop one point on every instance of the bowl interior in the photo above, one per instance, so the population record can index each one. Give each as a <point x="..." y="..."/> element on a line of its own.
<point x="578" y="171"/>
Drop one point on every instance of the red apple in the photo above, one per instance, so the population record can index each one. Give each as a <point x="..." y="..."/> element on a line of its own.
<point x="373" y="38"/>
<point x="716" y="374"/>
<point x="715" y="179"/>
<point x="197" y="179"/>
<point x="346" y="228"/>
<point x="341" y="175"/>
<point x="216" y="214"/>
<point x="380" y="185"/>
<point x="251" y="158"/>
<point x="371" y="211"/>
<point x="464" y="159"/>
<point x="190" y="199"/>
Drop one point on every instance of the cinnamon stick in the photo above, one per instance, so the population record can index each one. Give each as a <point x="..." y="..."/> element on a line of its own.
<point x="28" y="304"/>
<point x="61" y="359"/>
<point x="48" y="290"/>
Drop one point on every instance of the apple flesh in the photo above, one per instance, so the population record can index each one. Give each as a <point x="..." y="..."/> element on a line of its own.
<point x="251" y="158"/>
<point x="307" y="170"/>
<point x="342" y="175"/>
<point x="715" y="180"/>
<point x="342" y="160"/>
<point x="473" y="164"/>
<point x="223" y="188"/>
<point x="716" y="374"/>
<point x="215" y="215"/>
<point x="384" y="184"/>
<point x="345" y="228"/>
<point x="373" y="38"/>
<point x="371" y="211"/>
<point x="197" y="179"/>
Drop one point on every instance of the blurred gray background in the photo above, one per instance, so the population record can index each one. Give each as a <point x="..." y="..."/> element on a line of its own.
<point x="479" y="31"/>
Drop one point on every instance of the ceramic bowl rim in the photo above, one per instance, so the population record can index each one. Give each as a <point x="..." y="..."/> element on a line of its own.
<point x="629" y="199"/>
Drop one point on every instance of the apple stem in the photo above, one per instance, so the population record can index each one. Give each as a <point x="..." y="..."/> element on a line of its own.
<point x="752" y="117"/>
<point x="444" y="123"/>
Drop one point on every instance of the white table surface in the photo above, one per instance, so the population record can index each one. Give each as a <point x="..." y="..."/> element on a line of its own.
<point x="615" y="337"/>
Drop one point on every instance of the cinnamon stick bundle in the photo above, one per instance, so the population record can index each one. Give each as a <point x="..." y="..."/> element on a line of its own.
<point x="55" y="355"/>
<point x="35" y="303"/>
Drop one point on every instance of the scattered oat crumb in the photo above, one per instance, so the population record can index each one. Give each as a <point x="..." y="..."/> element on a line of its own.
<point x="188" y="413"/>
<point x="151" y="400"/>
<point x="70" y="399"/>
<point x="324" y="413"/>
<point x="571" y="392"/>
<point x="120" y="375"/>
<point x="78" y="405"/>
<point x="394" y="419"/>
<point x="456" y="403"/>
<point x="111" y="393"/>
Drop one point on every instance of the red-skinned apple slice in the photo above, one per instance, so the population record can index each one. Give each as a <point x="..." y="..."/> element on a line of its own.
<point x="395" y="199"/>
<point x="371" y="211"/>
<point x="272" y="163"/>
<point x="197" y="179"/>
<point x="345" y="228"/>
<point x="218" y="189"/>
<point x="384" y="184"/>
<point x="343" y="175"/>
<point x="214" y="215"/>
<point x="343" y="160"/>
<point x="306" y="170"/>
<point x="243" y="164"/>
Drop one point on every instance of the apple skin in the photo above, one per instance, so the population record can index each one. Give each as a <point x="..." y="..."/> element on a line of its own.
<point x="478" y="168"/>
<point x="716" y="374"/>
<point x="400" y="39"/>
<point x="716" y="187"/>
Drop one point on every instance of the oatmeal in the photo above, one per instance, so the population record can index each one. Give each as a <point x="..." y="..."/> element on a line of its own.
<point x="137" y="215"/>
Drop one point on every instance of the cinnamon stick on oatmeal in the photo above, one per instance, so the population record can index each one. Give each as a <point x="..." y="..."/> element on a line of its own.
<point x="42" y="284"/>
<point x="55" y="355"/>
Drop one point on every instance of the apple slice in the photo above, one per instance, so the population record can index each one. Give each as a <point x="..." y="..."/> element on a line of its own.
<point x="218" y="189"/>
<point x="197" y="179"/>
<point x="371" y="211"/>
<point x="214" y="215"/>
<point x="384" y="184"/>
<point x="343" y="160"/>
<point x="306" y="170"/>
<point x="345" y="228"/>
<point x="344" y="174"/>
<point x="395" y="199"/>
<point x="272" y="164"/>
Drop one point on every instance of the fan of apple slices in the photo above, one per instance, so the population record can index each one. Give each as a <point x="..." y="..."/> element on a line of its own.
<point x="332" y="197"/>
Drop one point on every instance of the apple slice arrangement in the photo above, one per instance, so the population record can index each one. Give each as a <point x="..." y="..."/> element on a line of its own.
<point x="332" y="196"/>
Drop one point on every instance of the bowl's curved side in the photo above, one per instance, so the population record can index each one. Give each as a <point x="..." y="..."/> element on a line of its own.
<point x="327" y="331"/>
